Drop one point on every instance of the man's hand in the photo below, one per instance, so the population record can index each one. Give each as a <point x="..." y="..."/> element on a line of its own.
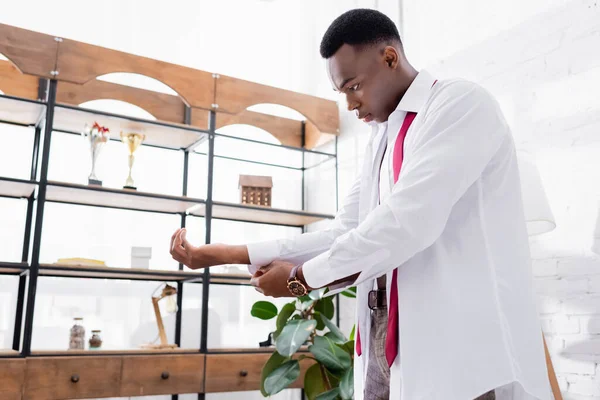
<point x="205" y="256"/>
<point x="271" y="280"/>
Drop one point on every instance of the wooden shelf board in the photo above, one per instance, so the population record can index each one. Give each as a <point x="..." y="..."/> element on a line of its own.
<point x="84" y="271"/>
<point x="247" y="350"/>
<point x="20" y="111"/>
<point x="8" y="352"/>
<point x="10" y="268"/>
<point x="266" y="215"/>
<point x="158" y="133"/>
<point x="118" y="198"/>
<point x="259" y="350"/>
<point x="237" y="279"/>
<point x="16" y="188"/>
<point x="108" y="352"/>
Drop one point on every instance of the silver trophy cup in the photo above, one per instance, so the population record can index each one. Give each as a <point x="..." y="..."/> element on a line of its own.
<point x="96" y="136"/>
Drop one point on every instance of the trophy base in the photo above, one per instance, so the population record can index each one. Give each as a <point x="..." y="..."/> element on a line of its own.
<point x="130" y="187"/>
<point x="96" y="182"/>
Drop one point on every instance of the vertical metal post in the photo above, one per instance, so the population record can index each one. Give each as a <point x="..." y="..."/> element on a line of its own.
<point x="303" y="143"/>
<point x="208" y="220"/>
<point x="26" y="242"/>
<point x="37" y="235"/>
<point x="35" y="155"/>
<point x="42" y="89"/>
<point x="186" y="157"/>
<point x="186" y="164"/>
<point x="337" y="296"/>
<point x="19" y="313"/>
<point x="337" y="175"/>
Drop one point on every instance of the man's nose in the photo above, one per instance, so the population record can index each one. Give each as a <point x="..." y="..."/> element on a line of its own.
<point x="352" y="104"/>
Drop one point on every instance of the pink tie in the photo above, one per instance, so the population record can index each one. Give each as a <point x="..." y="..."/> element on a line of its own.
<point x="391" y="340"/>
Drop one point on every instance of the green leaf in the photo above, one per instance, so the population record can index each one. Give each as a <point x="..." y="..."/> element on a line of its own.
<point x="320" y="323"/>
<point x="333" y="329"/>
<point x="303" y="357"/>
<point x="285" y="314"/>
<point x="282" y="377"/>
<point x="333" y="379"/>
<point x="331" y="395"/>
<point x="348" y="347"/>
<point x="353" y="332"/>
<point x="317" y="294"/>
<point x="305" y="299"/>
<point x="272" y="363"/>
<point x="350" y="292"/>
<point x="307" y="305"/>
<point x="334" y="338"/>
<point x="263" y="310"/>
<point x="313" y="382"/>
<point x="295" y="333"/>
<point x="325" y="306"/>
<point x="347" y="385"/>
<point x="330" y="355"/>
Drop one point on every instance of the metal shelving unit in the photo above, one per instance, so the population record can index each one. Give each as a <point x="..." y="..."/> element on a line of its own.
<point x="49" y="118"/>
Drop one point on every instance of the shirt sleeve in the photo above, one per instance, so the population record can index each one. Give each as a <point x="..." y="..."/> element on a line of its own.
<point x="461" y="131"/>
<point x="308" y="245"/>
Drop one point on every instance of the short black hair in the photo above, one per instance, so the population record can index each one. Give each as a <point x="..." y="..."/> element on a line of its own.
<point x="360" y="26"/>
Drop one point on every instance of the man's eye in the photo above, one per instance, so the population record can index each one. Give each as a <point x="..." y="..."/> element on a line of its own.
<point x="353" y="88"/>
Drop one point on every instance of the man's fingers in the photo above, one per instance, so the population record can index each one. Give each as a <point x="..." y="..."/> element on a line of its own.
<point x="177" y="242"/>
<point x="173" y="239"/>
<point x="265" y="268"/>
<point x="184" y="241"/>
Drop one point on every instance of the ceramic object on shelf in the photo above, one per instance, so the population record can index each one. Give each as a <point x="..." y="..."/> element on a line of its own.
<point x="96" y="340"/>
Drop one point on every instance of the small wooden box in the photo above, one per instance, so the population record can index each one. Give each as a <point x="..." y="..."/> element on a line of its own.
<point x="256" y="190"/>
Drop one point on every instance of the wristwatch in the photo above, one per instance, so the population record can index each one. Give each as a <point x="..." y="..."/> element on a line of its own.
<point x="295" y="285"/>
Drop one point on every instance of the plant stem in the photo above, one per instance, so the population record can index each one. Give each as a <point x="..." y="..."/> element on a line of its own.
<point x="325" y="377"/>
<point x="308" y="313"/>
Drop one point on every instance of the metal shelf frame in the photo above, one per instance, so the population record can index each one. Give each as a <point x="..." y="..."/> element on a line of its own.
<point x="29" y="270"/>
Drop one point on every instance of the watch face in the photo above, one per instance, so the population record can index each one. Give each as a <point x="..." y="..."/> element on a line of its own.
<point x="296" y="288"/>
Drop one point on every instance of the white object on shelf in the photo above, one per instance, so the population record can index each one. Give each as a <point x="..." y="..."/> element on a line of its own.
<point x="140" y="257"/>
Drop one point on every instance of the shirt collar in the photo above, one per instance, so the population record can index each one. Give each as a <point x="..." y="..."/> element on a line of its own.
<point x="417" y="94"/>
<point x="415" y="97"/>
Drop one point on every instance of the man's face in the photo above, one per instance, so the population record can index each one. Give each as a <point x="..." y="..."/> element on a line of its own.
<point x="365" y="76"/>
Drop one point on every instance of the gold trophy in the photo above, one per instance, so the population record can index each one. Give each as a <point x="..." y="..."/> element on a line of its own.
<point x="133" y="141"/>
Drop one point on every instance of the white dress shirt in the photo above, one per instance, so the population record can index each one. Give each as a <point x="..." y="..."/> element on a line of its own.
<point x="455" y="227"/>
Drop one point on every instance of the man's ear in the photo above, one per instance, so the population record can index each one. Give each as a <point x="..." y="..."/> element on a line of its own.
<point x="391" y="57"/>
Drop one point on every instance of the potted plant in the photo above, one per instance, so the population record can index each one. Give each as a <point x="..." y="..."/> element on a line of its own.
<point x="304" y="330"/>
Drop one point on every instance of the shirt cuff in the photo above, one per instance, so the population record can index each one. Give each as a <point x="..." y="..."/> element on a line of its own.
<point x="340" y="287"/>
<point x="261" y="254"/>
<point x="316" y="271"/>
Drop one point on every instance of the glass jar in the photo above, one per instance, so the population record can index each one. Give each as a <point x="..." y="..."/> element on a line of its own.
<point x="95" y="340"/>
<point x="77" y="339"/>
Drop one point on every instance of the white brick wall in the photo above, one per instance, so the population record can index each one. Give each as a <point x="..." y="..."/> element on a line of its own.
<point x="541" y="58"/>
